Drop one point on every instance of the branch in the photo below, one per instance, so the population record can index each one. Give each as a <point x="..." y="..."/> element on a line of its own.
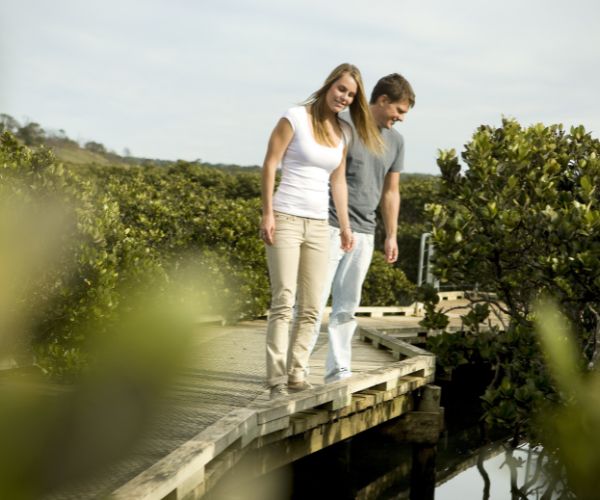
<point x="484" y="474"/>
<point x="538" y="471"/>
<point x="511" y="463"/>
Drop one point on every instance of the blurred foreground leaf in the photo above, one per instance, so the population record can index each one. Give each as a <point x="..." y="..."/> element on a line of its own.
<point x="571" y="427"/>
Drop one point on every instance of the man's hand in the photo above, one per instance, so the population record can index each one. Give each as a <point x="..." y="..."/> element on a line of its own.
<point x="347" y="239"/>
<point x="391" y="249"/>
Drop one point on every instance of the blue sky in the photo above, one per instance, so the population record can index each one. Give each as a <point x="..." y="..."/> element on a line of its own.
<point x="208" y="79"/>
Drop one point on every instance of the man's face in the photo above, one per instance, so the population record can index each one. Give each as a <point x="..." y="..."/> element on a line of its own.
<point x="387" y="112"/>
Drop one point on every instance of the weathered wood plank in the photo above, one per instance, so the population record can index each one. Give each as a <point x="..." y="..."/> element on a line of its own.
<point x="342" y="390"/>
<point x="185" y="466"/>
<point x="277" y="454"/>
<point x="394" y="344"/>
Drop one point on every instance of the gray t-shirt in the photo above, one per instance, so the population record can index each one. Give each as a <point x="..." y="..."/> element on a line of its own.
<point x="365" y="174"/>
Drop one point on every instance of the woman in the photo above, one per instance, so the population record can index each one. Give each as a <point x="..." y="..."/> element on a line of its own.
<point x="310" y="143"/>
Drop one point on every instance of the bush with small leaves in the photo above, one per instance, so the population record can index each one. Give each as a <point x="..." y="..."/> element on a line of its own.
<point x="523" y="221"/>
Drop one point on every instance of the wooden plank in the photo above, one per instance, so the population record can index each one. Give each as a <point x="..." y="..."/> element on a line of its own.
<point x="185" y="466"/>
<point x="388" y="385"/>
<point x="280" y="453"/>
<point x="300" y="401"/>
<point x="343" y="401"/>
<point x="409" y="383"/>
<point x="369" y="399"/>
<point x="215" y="471"/>
<point x="381" y="311"/>
<point x="394" y="344"/>
<point x="452" y="295"/>
<point x="340" y="391"/>
<point x="360" y="401"/>
<point x="303" y="421"/>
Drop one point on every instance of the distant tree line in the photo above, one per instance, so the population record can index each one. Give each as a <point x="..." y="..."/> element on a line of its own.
<point x="33" y="134"/>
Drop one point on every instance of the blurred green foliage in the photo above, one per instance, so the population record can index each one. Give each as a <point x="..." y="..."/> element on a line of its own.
<point x="570" y="427"/>
<point x="53" y="434"/>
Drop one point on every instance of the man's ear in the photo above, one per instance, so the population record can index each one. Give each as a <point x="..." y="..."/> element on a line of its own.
<point x="382" y="100"/>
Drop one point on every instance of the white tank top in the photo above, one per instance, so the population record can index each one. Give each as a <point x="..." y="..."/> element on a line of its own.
<point x="305" y="169"/>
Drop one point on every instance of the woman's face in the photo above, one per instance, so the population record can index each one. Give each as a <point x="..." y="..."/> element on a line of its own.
<point x="341" y="93"/>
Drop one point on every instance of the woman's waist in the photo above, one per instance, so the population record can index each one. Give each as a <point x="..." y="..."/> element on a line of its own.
<point x="301" y="204"/>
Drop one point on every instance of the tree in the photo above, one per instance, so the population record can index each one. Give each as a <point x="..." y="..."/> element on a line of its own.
<point x="31" y="134"/>
<point x="8" y="123"/>
<point x="524" y="222"/>
<point x="95" y="147"/>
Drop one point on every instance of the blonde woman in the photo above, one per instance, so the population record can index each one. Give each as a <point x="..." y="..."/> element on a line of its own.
<point x="310" y="143"/>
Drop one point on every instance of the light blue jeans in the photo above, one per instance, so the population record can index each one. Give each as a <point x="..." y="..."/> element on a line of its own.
<point x="345" y="276"/>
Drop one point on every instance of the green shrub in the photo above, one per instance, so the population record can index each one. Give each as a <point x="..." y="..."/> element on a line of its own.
<point x="78" y="284"/>
<point x="386" y="285"/>
<point x="523" y="222"/>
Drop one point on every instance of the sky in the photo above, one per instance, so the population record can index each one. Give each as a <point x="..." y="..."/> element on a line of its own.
<point x="208" y="79"/>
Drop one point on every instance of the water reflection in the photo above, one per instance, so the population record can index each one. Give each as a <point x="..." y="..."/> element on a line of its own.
<point x="373" y="466"/>
<point x="504" y="474"/>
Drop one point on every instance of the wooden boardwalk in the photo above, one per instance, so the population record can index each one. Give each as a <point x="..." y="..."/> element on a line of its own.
<point x="291" y="427"/>
<point x="218" y="411"/>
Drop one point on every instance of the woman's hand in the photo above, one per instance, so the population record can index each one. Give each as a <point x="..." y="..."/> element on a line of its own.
<point x="280" y="138"/>
<point x="347" y="239"/>
<point x="267" y="229"/>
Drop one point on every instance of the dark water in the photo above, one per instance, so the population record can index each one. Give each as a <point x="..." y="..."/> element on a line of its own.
<point x="373" y="465"/>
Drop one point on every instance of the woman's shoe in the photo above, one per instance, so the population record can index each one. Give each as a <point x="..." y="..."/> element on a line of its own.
<point x="303" y="385"/>
<point x="279" y="391"/>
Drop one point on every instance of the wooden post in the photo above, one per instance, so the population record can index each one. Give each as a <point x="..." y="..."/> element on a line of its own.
<point x="422" y="478"/>
<point x="422" y="474"/>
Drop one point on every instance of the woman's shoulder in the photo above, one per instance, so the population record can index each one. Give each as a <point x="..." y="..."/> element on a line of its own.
<point x="295" y="114"/>
<point x="296" y="111"/>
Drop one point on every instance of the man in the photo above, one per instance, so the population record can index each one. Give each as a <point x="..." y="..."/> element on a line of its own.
<point x="372" y="180"/>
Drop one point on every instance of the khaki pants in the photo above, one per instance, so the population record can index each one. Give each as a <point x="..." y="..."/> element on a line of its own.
<point x="297" y="266"/>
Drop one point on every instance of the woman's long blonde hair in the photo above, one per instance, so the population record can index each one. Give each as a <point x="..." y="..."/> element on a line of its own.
<point x="359" y="111"/>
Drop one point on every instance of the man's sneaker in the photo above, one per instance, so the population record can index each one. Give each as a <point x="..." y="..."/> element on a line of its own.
<point x="303" y="385"/>
<point x="279" y="391"/>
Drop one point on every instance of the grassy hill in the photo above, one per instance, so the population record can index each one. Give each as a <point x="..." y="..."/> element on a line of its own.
<point x="75" y="155"/>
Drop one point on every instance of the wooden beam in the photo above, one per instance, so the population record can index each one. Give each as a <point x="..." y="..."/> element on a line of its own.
<point x="275" y="455"/>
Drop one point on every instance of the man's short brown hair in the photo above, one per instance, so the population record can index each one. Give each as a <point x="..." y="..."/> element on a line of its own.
<point x="396" y="87"/>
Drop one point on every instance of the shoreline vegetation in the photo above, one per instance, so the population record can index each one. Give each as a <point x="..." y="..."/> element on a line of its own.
<point x="127" y="223"/>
